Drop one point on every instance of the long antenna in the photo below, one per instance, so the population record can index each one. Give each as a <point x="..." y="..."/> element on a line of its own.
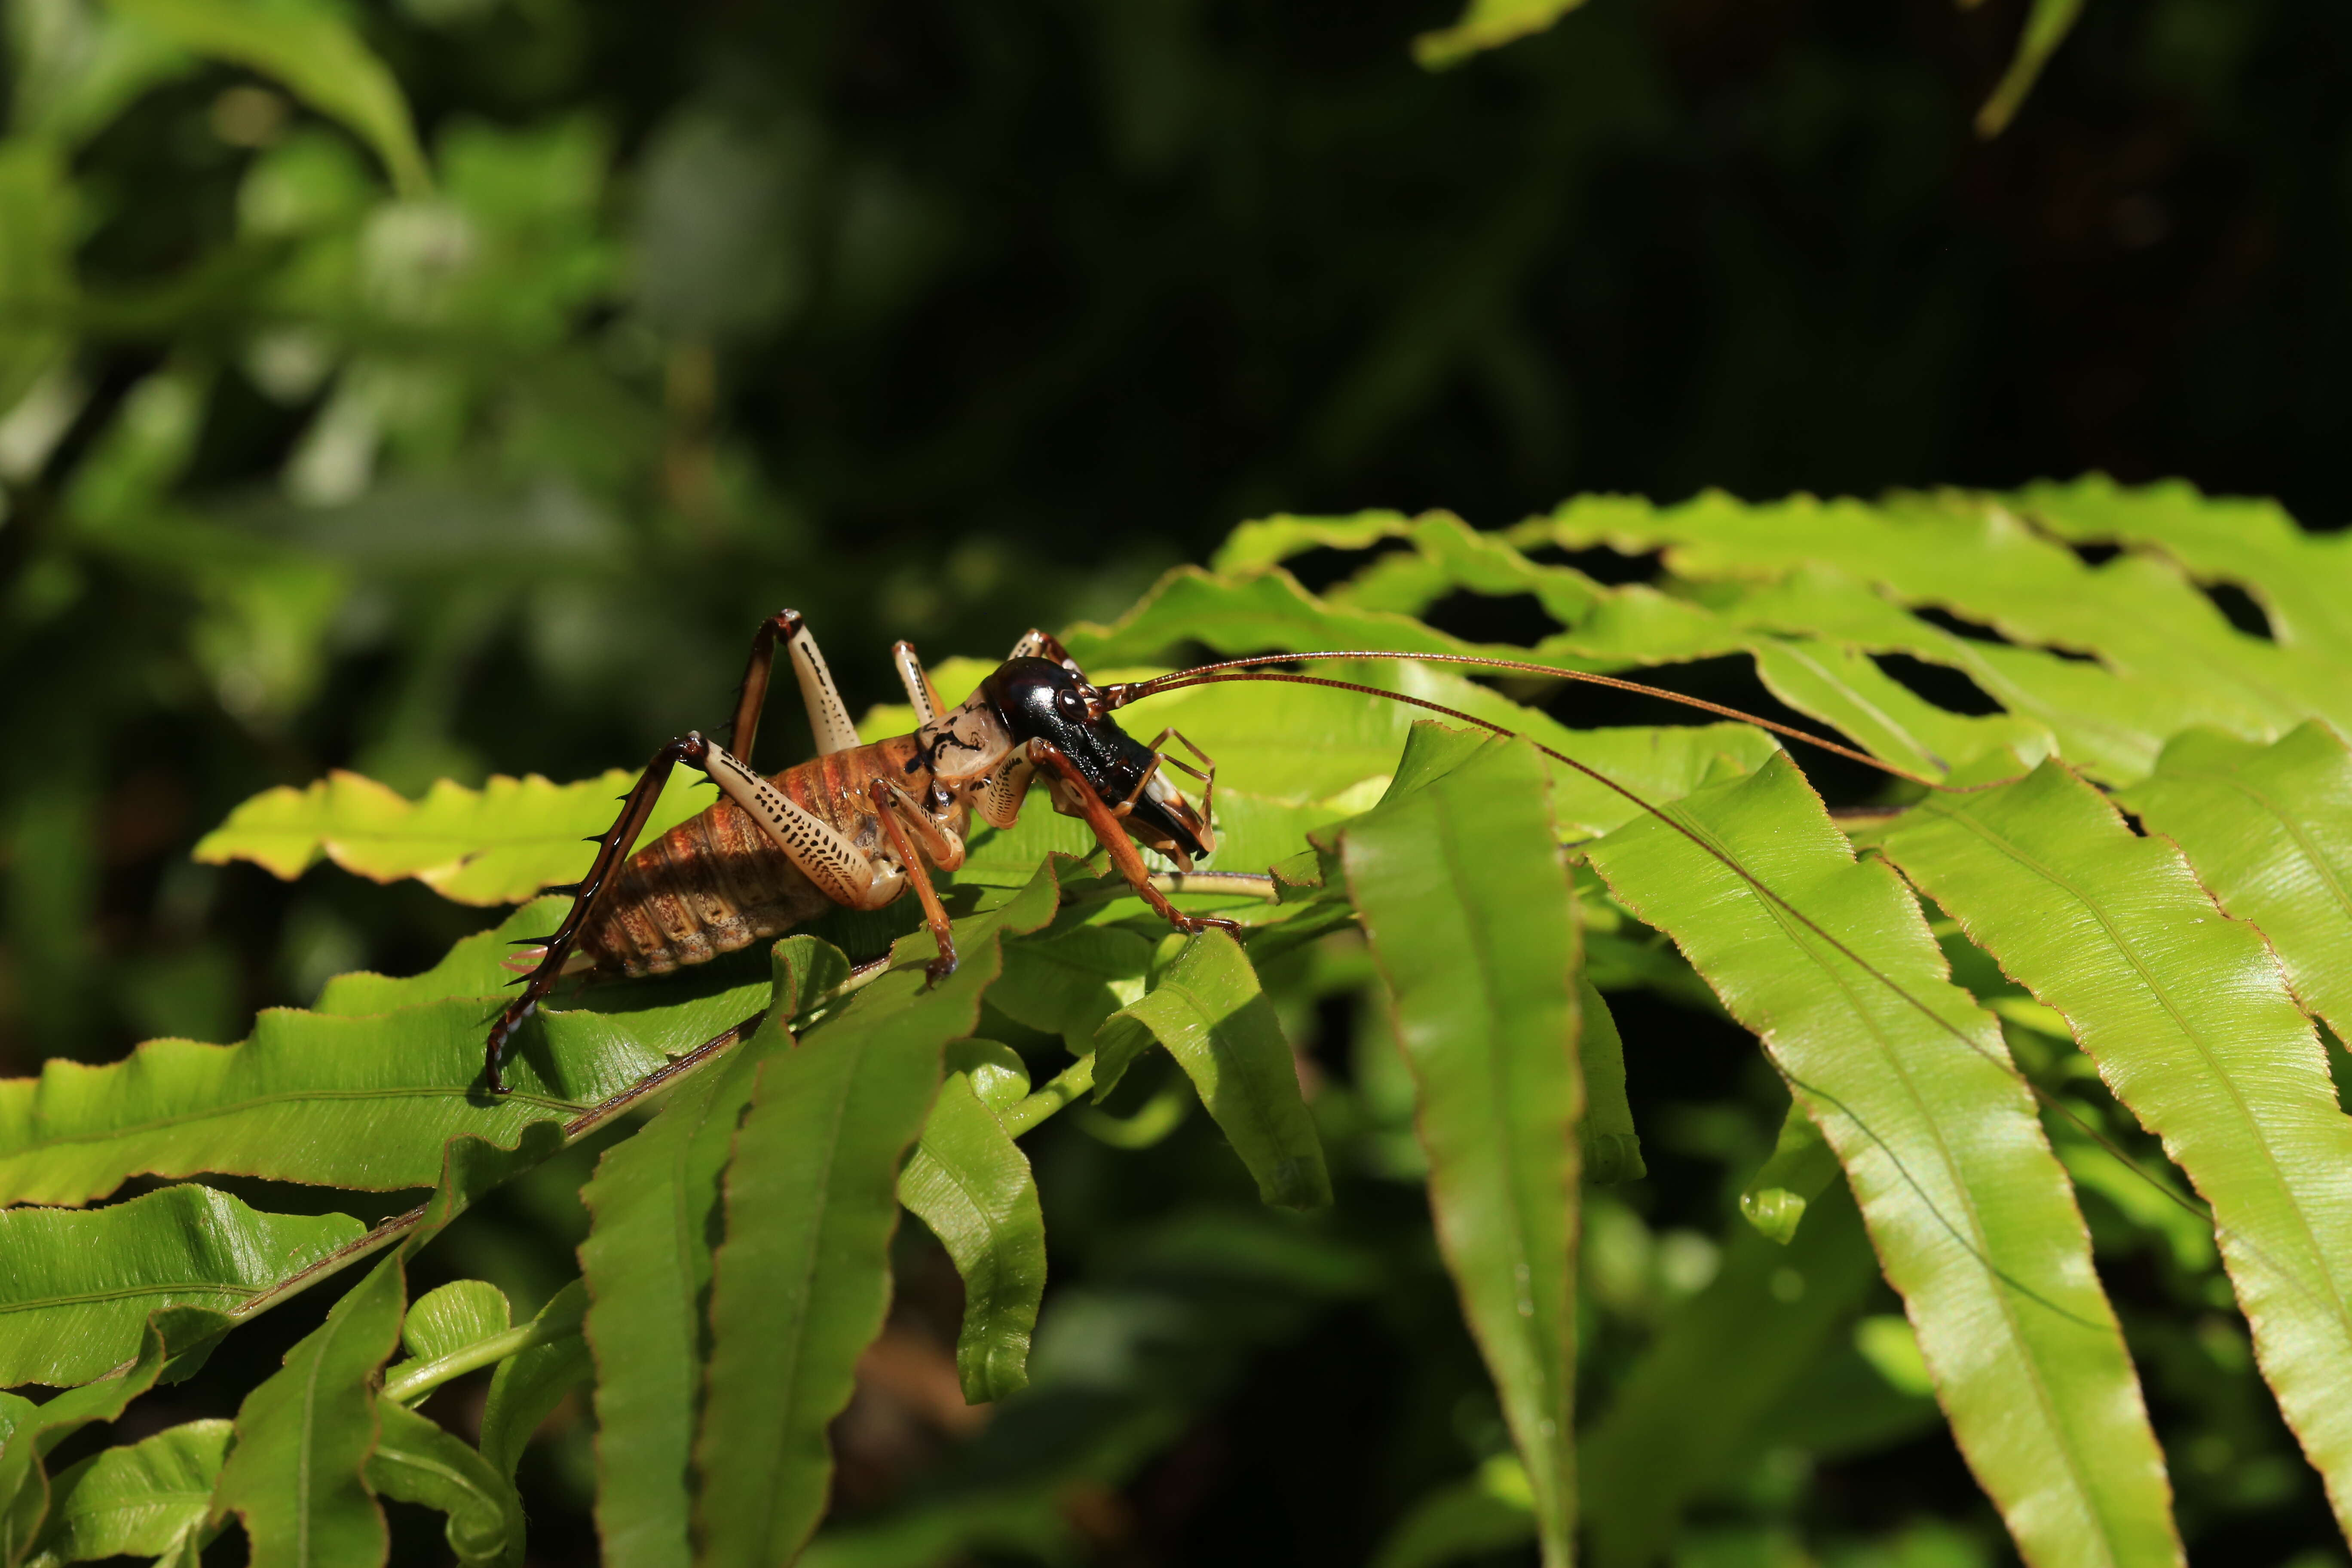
<point x="1120" y="695"/>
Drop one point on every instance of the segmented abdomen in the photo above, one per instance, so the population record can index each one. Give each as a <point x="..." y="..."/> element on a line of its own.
<point x="716" y="882"/>
<point x="710" y="885"/>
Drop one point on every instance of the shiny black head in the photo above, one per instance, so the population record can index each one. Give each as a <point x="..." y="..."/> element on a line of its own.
<point x="1039" y="699"/>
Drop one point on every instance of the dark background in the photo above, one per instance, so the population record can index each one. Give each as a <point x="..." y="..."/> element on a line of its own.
<point x="942" y="319"/>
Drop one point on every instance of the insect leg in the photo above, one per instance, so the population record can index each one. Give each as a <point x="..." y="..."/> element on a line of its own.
<point x="887" y="797"/>
<point x="839" y="868"/>
<point x="1115" y="841"/>
<point x="1044" y="645"/>
<point x="918" y="682"/>
<point x="612" y="850"/>
<point x="828" y="715"/>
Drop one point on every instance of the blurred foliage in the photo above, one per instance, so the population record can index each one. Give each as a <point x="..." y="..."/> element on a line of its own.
<point x="944" y="320"/>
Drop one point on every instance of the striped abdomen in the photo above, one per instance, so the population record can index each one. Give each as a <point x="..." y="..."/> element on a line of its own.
<point x="716" y="882"/>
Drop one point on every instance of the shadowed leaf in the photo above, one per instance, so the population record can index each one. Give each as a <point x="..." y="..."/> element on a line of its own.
<point x="1971" y="1214"/>
<point x="801" y="1282"/>
<point x="294" y="1476"/>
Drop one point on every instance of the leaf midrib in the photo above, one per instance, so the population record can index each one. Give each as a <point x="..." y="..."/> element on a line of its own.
<point x="1981" y="1252"/>
<point x="283" y="1097"/>
<point x="2317" y="1253"/>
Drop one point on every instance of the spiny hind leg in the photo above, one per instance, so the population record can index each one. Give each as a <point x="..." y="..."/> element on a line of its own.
<point x="612" y="852"/>
<point x="828" y="714"/>
<point x="840" y="870"/>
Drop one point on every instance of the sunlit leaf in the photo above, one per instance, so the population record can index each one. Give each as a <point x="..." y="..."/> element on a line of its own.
<point x="24" y="1487"/>
<point x="2189" y="1019"/>
<point x="76" y="1287"/>
<point x="143" y="1499"/>
<point x="1472" y="919"/>
<point x="446" y="1320"/>
<point x="2268" y="830"/>
<point x="1971" y="1214"/>
<point x="496" y="845"/>
<point x="365" y="1101"/>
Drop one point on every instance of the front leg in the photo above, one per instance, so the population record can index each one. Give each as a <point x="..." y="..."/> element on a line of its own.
<point x="888" y="802"/>
<point x="1114" y="839"/>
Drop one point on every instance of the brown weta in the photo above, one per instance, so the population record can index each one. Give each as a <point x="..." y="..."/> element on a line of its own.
<point x="859" y="824"/>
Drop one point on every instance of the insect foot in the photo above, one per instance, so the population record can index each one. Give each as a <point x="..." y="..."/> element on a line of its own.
<point x="1193" y="925"/>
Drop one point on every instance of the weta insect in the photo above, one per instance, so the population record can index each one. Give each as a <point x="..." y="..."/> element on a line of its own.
<point x="856" y="824"/>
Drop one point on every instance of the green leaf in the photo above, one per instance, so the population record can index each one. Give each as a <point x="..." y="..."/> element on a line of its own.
<point x="2046" y="26"/>
<point x="1490" y="1512"/>
<point x="25" y="1487"/>
<point x="444" y="1322"/>
<point x="802" y="1277"/>
<point x="75" y="1289"/>
<point x="1733" y="1351"/>
<point x="1802" y="1168"/>
<point x="1610" y="1146"/>
<point x="1972" y="1216"/>
<point x="1269" y="541"/>
<point x="38" y="229"/>
<point x="314" y="52"/>
<point x="2190" y="1020"/>
<point x="1471" y="919"/>
<point x="1210" y="1012"/>
<point x="2269" y="832"/>
<point x="2166" y="658"/>
<point x="1066" y="983"/>
<point x="647" y="1264"/>
<point x="647" y="1267"/>
<point x="1487" y="25"/>
<point x="531" y="1384"/>
<point x="145" y="1500"/>
<point x="416" y="1461"/>
<point x="294" y="1478"/>
<point x="367" y="1102"/>
<point x="970" y="1183"/>
<point x="2301" y="579"/>
<point x="496" y="845"/>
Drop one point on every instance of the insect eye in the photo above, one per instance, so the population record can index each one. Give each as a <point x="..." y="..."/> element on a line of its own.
<point x="1072" y="705"/>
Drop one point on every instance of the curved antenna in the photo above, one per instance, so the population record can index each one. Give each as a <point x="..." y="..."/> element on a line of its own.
<point x="1120" y="695"/>
<point x="1243" y="669"/>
